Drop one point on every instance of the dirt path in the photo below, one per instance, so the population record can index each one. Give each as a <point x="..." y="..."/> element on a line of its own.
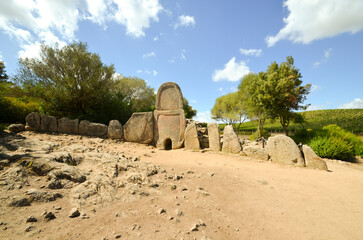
<point x="227" y="196"/>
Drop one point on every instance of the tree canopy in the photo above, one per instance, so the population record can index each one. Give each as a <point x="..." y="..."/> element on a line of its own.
<point x="188" y="110"/>
<point x="3" y="75"/>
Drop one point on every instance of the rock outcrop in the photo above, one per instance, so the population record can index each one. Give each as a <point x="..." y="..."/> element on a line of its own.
<point x="255" y="152"/>
<point x="16" y="128"/>
<point x="114" y="130"/>
<point x="214" y="137"/>
<point x="68" y="126"/>
<point x="231" y="142"/>
<point x="283" y="149"/>
<point x="32" y="122"/>
<point x="48" y="124"/>
<point x="312" y="160"/>
<point x="87" y="128"/>
<point x="140" y="128"/>
<point x="191" y="140"/>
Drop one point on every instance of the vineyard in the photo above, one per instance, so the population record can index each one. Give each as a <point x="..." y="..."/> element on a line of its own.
<point x="349" y="119"/>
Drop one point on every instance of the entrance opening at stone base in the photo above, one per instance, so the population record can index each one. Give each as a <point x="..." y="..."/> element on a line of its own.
<point x="167" y="144"/>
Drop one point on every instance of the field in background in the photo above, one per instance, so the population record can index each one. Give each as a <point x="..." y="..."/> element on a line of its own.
<point x="349" y="119"/>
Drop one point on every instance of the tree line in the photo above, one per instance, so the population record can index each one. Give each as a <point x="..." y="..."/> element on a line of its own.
<point x="272" y="94"/>
<point x="73" y="82"/>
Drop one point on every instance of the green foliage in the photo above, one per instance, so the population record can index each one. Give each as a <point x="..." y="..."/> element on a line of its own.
<point x="3" y="126"/>
<point x="188" y="110"/>
<point x="331" y="142"/>
<point x="70" y="81"/>
<point x="14" y="110"/>
<point x="256" y="135"/>
<point x="229" y="109"/>
<point x="3" y="75"/>
<point x="332" y="147"/>
<point x="136" y="93"/>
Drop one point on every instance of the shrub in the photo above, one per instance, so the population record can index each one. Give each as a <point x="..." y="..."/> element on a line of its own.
<point x="254" y="135"/>
<point x="332" y="147"/>
<point x="15" y="110"/>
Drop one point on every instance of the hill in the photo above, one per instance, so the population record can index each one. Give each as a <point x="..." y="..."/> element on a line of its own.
<point x="349" y="119"/>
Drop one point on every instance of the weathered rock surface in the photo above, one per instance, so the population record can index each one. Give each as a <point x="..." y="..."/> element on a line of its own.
<point x="16" y="128"/>
<point x="231" y="142"/>
<point x="32" y="122"/>
<point x="36" y="195"/>
<point x="282" y="149"/>
<point x="191" y="140"/>
<point x="19" y="201"/>
<point x="140" y="128"/>
<point x="312" y="160"/>
<point x="256" y="152"/>
<point x="48" y="124"/>
<point x="68" y="126"/>
<point x="87" y="128"/>
<point x="114" y="130"/>
<point x="214" y="137"/>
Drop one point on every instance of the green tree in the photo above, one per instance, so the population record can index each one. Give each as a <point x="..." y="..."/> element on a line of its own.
<point x="70" y="81"/>
<point x="252" y="93"/>
<point x="284" y="93"/>
<point x="137" y="94"/>
<point x="3" y="76"/>
<point x="229" y="109"/>
<point x="188" y="110"/>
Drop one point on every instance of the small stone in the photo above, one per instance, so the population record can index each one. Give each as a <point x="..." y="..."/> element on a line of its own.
<point x="194" y="228"/>
<point x="74" y="213"/>
<point x="118" y="236"/>
<point x="31" y="219"/>
<point x="29" y="228"/>
<point x="161" y="211"/>
<point x="179" y="212"/>
<point x="58" y="208"/>
<point x="49" y="216"/>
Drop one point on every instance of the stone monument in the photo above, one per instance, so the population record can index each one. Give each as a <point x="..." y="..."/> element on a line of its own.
<point x="169" y="118"/>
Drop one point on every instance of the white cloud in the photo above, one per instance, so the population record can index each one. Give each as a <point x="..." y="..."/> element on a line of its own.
<point x="204" y="117"/>
<point x="314" y="87"/>
<point x="317" y="64"/>
<point x="232" y="71"/>
<point x="311" y="20"/>
<point x="356" y="103"/>
<point x="1" y="57"/>
<point x="136" y="15"/>
<point x="155" y="39"/>
<point x="251" y="52"/>
<point x="147" y="55"/>
<point x="327" y="53"/>
<point x="193" y="101"/>
<point x="155" y="73"/>
<point x="34" y="21"/>
<point x="185" y="21"/>
<point x="220" y="89"/>
<point x="182" y="56"/>
<point x="30" y="50"/>
<point x="315" y="107"/>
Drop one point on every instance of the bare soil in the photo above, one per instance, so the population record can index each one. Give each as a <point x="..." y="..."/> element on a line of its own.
<point x="201" y="195"/>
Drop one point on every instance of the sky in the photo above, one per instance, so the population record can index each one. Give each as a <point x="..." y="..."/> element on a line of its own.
<point x="206" y="47"/>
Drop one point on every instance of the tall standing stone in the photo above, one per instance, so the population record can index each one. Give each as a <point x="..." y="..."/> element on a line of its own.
<point x="284" y="150"/>
<point x="48" y="124"/>
<point x="114" y="130"/>
<point x="140" y="128"/>
<point x="231" y="142"/>
<point x="214" y="137"/>
<point x="191" y="140"/>
<point x="169" y="117"/>
<point x="32" y="122"/>
<point x="68" y="126"/>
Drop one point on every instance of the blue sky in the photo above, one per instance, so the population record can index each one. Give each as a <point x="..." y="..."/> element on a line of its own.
<point x="204" y="46"/>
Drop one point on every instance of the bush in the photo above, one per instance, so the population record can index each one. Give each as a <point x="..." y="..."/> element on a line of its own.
<point x="332" y="147"/>
<point x="254" y="135"/>
<point x="14" y="110"/>
<point x="3" y="126"/>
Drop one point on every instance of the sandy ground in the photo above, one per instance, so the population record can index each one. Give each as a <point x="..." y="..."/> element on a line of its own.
<point x="229" y="196"/>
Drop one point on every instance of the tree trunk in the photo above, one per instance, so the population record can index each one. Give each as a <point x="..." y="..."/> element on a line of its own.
<point x="260" y="127"/>
<point x="285" y="130"/>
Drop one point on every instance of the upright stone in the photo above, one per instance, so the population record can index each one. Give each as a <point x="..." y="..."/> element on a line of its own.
<point x="284" y="150"/>
<point x="114" y="130"/>
<point x="231" y="142"/>
<point x="68" y="126"/>
<point x="312" y="160"/>
<point x="214" y="137"/>
<point x="48" y="124"/>
<point x="87" y="128"/>
<point x="169" y="117"/>
<point x="191" y="137"/>
<point x="32" y="122"/>
<point x="140" y="128"/>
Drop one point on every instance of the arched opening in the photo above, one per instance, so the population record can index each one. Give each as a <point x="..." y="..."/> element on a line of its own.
<point x="167" y="144"/>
